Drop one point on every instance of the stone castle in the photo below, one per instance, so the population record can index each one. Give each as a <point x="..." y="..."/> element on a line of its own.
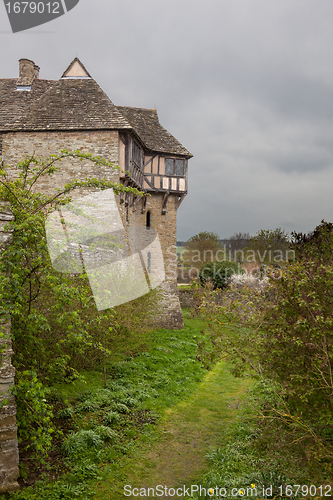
<point x="42" y="117"/>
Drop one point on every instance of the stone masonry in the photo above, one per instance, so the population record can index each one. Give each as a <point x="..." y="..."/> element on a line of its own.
<point x="9" y="457"/>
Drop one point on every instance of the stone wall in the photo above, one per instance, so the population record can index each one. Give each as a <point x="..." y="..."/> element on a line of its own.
<point x="186" y="298"/>
<point x="43" y="144"/>
<point x="105" y="144"/>
<point x="170" y="315"/>
<point x="9" y="457"/>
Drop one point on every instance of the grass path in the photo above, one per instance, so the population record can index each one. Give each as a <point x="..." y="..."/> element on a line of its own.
<point x="176" y="455"/>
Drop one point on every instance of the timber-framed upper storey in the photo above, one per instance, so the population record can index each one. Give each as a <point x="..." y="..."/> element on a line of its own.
<point x="150" y="158"/>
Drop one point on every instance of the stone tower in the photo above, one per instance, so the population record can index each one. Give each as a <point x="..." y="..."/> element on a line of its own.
<point x="42" y="117"/>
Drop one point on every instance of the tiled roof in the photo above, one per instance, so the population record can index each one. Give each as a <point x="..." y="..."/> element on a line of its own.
<point x="13" y="103"/>
<point x="76" y="103"/>
<point x="72" y="104"/>
<point x="146" y="125"/>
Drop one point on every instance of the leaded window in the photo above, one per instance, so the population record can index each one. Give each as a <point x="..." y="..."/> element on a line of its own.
<point x="175" y="166"/>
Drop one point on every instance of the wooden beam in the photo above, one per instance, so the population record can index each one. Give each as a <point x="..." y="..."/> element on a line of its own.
<point x="144" y="203"/>
<point x="179" y="201"/>
<point x="123" y="195"/>
<point x="164" y="202"/>
<point x="148" y="182"/>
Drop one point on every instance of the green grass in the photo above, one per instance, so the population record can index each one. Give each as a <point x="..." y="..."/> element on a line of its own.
<point x="176" y="452"/>
<point x="185" y="287"/>
<point x="162" y="419"/>
<point x="139" y="388"/>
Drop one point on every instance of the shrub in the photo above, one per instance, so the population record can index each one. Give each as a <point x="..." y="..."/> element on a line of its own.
<point x="66" y="413"/>
<point x="219" y="273"/>
<point x="121" y="408"/>
<point x="34" y="414"/>
<point x="283" y="333"/>
<point x="248" y="280"/>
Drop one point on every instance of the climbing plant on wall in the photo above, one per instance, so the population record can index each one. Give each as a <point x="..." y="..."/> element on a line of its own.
<point x="56" y="329"/>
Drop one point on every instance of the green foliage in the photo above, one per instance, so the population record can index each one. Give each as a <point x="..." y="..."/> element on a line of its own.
<point x="283" y="334"/>
<point x="111" y="418"/>
<point x="56" y="491"/>
<point x="34" y="414"/>
<point x="66" y="413"/>
<point x="254" y="455"/>
<point x="219" y="273"/>
<point x="56" y="329"/>
<point x="270" y="247"/>
<point x="83" y="441"/>
<point x="79" y="442"/>
<point x="201" y="248"/>
<point x="316" y="245"/>
<point x="85" y="470"/>
<point x="298" y="326"/>
<point x="204" y="237"/>
<point x="92" y="442"/>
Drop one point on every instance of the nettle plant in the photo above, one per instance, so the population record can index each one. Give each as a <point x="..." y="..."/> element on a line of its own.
<point x="55" y="323"/>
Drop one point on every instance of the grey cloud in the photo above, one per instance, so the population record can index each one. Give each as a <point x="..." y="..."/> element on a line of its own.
<point x="245" y="86"/>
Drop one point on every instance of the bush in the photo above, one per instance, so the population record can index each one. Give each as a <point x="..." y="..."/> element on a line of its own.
<point x="282" y="333"/>
<point x="82" y="441"/>
<point x="112" y="417"/>
<point x="219" y="273"/>
<point x="34" y="414"/>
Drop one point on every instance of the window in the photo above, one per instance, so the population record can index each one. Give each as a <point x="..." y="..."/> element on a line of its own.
<point x="23" y="88"/>
<point x="148" y="219"/>
<point x="136" y="154"/>
<point x="174" y="166"/>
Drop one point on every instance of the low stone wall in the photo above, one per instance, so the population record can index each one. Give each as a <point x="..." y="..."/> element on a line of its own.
<point x="9" y="457"/>
<point x="186" y="298"/>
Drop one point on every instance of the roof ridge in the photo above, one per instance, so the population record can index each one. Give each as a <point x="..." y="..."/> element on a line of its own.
<point x="93" y="109"/>
<point x="137" y="107"/>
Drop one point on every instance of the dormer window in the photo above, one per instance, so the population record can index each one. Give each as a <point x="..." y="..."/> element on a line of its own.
<point x="24" y="88"/>
<point x="175" y="166"/>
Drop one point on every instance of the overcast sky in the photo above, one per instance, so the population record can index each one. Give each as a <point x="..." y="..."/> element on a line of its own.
<point x="245" y="85"/>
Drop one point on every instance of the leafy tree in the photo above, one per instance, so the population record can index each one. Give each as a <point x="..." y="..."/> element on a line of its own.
<point x="235" y="246"/>
<point x="316" y="245"/>
<point x="202" y="248"/>
<point x="269" y="247"/>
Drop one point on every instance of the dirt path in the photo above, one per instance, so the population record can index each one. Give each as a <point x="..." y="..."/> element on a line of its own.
<point x="187" y="433"/>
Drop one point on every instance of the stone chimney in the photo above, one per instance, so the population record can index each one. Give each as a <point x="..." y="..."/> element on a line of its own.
<point x="28" y="72"/>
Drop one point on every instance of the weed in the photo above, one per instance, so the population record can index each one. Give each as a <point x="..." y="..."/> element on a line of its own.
<point x="81" y="441"/>
<point x="66" y="413"/>
<point x="111" y="418"/>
